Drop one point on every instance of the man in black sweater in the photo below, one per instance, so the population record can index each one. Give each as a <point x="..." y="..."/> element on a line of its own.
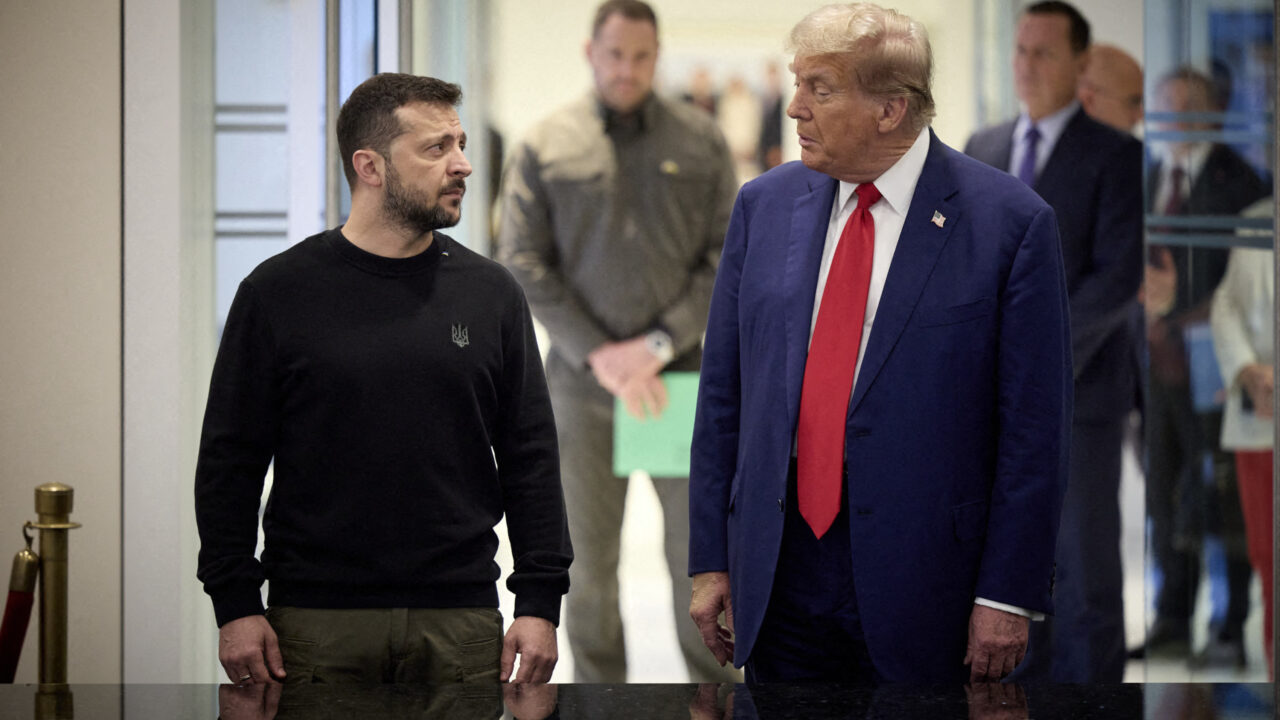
<point x="393" y="376"/>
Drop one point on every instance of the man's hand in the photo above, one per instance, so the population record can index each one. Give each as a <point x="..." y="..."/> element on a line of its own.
<point x="996" y="701"/>
<point x="644" y="397"/>
<point x="249" y="702"/>
<point x="1259" y="382"/>
<point x="249" y="651"/>
<point x="527" y="701"/>
<point x="705" y="704"/>
<point x="1159" y="284"/>
<point x="710" y="598"/>
<point x="534" y="640"/>
<point x="617" y="363"/>
<point x="997" y="643"/>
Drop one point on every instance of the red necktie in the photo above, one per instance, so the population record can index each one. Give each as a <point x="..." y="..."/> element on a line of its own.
<point x="828" y="372"/>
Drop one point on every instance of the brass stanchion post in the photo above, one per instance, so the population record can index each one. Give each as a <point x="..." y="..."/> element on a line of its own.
<point x="53" y="510"/>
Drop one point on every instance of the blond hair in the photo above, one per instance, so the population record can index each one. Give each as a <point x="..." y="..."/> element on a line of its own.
<point x="889" y="53"/>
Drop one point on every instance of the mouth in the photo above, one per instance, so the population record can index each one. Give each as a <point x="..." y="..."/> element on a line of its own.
<point x="806" y="141"/>
<point x="454" y="190"/>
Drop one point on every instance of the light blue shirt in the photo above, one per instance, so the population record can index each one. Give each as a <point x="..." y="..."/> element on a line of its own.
<point x="1050" y="127"/>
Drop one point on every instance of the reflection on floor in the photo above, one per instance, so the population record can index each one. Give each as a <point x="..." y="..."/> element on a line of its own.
<point x="653" y="657"/>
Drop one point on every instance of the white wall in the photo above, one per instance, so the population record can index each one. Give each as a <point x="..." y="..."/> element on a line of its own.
<point x="60" y="302"/>
<point x="169" y="631"/>
<point x="1117" y="22"/>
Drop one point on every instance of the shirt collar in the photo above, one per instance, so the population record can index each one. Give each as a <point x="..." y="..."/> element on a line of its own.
<point x="1191" y="162"/>
<point x="641" y="120"/>
<point x="1050" y="127"/>
<point x="897" y="184"/>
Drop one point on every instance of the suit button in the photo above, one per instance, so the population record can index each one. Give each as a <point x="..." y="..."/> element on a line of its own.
<point x="781" y="505"/>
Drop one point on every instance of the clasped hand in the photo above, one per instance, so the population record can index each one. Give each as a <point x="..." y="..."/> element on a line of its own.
<point x="629" y="371"/>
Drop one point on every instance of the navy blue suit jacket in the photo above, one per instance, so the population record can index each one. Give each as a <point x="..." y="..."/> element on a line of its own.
<point x="1093" y="182"/>
<point x="957" y="433"/>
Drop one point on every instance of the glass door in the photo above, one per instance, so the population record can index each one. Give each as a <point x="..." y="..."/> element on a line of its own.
<point x="1208" y="306"/>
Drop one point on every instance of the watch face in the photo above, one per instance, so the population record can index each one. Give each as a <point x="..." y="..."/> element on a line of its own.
<point x="659" y="345"/>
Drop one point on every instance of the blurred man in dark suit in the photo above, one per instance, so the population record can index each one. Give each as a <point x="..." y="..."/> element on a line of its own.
<point x="1191" y="177"/>
<point x="1091" y="175"/>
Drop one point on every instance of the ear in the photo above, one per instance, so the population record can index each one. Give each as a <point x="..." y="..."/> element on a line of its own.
<point x="1084" y="93"/>
<point x="1082" y="63"/>
<point x="893" y="112"/>
<point x="370" y="167"/>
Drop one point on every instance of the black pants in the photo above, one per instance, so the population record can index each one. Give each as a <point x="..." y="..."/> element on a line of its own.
<point x="812" y="631"/>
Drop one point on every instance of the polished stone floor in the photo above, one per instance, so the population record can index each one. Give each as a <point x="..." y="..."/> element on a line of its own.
<point x="640" y="701"/>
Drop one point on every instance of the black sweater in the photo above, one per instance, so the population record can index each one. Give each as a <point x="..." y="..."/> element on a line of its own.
<point x="405" y="406"/>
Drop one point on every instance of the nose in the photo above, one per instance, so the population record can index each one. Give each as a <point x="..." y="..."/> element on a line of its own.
<point x="459" y="166"/>
<point x="796" y="109"/>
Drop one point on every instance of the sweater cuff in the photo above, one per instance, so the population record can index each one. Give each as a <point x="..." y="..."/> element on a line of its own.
<point x="545" y="606"/>
<point x="237" y="604"/>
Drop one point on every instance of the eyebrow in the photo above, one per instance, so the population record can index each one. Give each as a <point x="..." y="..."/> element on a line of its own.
<point x="461" y="138"/>
<point x="825" y="75"/>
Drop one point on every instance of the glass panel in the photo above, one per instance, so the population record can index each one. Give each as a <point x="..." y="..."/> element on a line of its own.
<point x="270" y="132"/>
<point x="451" y="42"/>
<point x="1208" y="297"/>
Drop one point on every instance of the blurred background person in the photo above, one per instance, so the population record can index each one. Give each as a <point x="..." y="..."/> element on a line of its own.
<point x="701" y="91"/>
<point x="739" y="119"/>
<point x="1190" y="176"/>
<point x="614" y="213"/>
<point x="1092" y="177"/>
<point x="771" y="106"/>
<point x="1110" y="89"/>
<point x="1243" y="323"/>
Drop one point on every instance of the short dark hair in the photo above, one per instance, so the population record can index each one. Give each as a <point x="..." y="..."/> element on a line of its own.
<point x="368" y="117"/>
<point x="1203" y="83"/>
<point x="629" y="9"/>
<point x="1079" y="26"/>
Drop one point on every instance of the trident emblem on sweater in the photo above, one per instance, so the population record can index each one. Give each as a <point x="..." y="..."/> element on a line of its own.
<point x="460" y="336"/>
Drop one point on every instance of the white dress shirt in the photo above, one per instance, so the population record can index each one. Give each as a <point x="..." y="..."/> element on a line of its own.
<point x="1190" y="158"/>
<point x="897" y="186"/>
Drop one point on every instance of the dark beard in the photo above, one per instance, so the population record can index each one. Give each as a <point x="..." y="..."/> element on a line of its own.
<point x="408" y="211"/>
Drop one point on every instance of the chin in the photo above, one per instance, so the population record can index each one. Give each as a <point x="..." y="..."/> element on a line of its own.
<point x="812" y="162"/>
<point x="624" y="104"/>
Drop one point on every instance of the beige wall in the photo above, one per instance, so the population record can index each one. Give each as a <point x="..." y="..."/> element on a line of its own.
<point x="60" y="301"/>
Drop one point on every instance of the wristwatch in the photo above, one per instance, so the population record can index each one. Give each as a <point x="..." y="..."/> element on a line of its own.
<point x="659" y="344"/>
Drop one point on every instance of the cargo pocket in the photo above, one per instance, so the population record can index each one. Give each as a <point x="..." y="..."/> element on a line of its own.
<point x="478" y="660"/>
<point x="296" y="648"/>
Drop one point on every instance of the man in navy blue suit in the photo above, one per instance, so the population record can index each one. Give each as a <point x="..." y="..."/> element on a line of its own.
<point x="880" y="448"/>
<point x="1091" y="175"/>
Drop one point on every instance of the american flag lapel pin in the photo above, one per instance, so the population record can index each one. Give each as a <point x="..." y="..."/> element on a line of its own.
<point x="938" y="218"/>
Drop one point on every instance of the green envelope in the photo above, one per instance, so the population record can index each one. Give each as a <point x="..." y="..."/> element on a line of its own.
<point x="659" y="446"/>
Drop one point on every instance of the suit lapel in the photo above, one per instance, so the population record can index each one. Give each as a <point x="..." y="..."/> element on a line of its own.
<point x="1057" y="174"/>
<point x="810" y="215"/>
<point x="918" y="247"/>
<point x="1003" y="152"/>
